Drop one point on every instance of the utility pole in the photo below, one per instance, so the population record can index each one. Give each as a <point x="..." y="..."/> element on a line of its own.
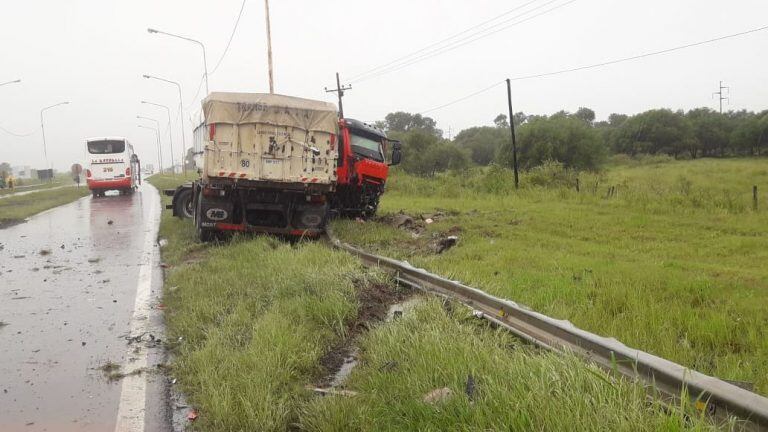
<point x="512" y="128"/>
<point x="340" y="91"/>
<point x="269" y="48"/>
<point x="720" y="96"/>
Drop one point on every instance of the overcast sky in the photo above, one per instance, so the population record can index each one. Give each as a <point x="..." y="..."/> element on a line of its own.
<point x="93" y="53"/>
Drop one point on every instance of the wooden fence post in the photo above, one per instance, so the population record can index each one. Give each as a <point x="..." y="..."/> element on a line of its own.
<point x="577" y="184"/>
<point x="754" y="197"/>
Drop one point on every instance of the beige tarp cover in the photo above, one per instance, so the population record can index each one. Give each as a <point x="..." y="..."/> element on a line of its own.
<point x="268" y="137"/>
<point x="273" y="109"/>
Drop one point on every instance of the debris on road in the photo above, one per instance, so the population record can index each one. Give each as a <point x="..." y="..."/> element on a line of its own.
<point x="110" y="222"/>
<point x="94" y="260"/>
<point x="45" y="252"/>
<point x="192" y="415"/>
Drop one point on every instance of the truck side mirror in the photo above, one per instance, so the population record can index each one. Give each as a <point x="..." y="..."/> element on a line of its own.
<point x="397" y="154"/>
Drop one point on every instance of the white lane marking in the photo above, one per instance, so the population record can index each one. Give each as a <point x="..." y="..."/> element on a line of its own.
<point x="133" y="396"/>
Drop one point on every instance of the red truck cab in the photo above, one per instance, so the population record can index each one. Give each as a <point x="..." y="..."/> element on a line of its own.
<point x="365" y="155"/>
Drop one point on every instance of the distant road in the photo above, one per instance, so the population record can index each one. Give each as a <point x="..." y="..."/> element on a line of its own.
<point x="34" y="191"/>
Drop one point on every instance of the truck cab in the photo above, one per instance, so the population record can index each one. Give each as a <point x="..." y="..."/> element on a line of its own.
<point x="365" y="155"/>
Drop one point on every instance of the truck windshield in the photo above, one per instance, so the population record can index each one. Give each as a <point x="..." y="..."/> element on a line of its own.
<point x="106" y="147"/>
<point x="367" y="146"/>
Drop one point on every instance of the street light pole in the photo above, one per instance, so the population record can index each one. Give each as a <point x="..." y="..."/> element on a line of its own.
<point x="181" y="118"/>
<point x="269" y="47"/>
<point x="205" y="61"/>
<point x="10" y="82"/>
<point x="170" y="134"/>
<point x="159" y="147"/>
<point x="42" y="129"/>
<point x="159" y="142"/>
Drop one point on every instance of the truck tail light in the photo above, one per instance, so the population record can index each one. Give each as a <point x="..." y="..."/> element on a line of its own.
<point x="211" y="131"/>
<point x="316" y="199"/>
<point x="87" y="173"/>
<point x="211" y="192"/>
<point x="128" y="172"/>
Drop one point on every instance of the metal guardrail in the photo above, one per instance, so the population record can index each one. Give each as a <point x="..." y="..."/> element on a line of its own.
<point x="665" y="380"/>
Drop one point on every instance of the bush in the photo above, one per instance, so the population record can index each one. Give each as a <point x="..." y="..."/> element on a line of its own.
<point x="560" y="138"/>
<point x="551" y="174"/>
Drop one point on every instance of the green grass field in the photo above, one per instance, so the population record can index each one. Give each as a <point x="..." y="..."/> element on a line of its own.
<point x="252" y="318"/>
<point x="17" y="208"/>
<point x="24" y="185"/>
<point x="672" y="263"/>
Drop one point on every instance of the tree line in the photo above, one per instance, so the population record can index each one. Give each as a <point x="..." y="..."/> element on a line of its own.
<point x="577" y="140"/>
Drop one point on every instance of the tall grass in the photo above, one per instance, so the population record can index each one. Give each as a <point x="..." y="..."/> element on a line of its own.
<point x="250" y="319"/>
<point x="514" y="387"/>
<point x="673" y="263"/>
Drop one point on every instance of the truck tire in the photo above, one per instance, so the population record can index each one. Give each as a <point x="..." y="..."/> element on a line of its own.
<point x="204" y="235"/>
<point x="184" y="205"/>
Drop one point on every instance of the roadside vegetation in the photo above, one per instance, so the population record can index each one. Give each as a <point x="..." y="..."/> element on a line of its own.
<point x="666" y="256"/>
<point x="253" y="320"/>
<point x="15" y="209"/>
<point x="577" y="140"/>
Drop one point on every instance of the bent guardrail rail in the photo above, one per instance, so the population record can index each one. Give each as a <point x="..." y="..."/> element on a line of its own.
<point x="665" y="379"/>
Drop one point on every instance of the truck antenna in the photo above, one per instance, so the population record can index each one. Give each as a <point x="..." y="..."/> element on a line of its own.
<point x="340" y="90"/>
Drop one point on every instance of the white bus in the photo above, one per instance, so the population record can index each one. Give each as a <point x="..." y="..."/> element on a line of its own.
<point x="112" y="165"/>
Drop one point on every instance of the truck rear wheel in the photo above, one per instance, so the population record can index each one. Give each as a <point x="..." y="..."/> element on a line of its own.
<point x="184" y="204"/>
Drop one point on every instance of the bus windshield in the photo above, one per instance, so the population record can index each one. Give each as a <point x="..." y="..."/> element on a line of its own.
<point x="367" y="146"/>
<point x="106" y="147"/>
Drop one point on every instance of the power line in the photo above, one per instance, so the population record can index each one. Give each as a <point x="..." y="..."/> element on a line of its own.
<point x="639" y="56"/>
<point x="19" y="135"/>
<point x="231" y="36"/>
<point x="197" y="93"/>
<point x="443" y="40"/>
<point x="605" y="63"/>
<point x="218" y="63"/>
<point x="463" y="98"/>
<point x="469" y="39"/>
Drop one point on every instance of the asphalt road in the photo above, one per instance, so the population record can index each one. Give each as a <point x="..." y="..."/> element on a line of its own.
<point x="79" y="289"/>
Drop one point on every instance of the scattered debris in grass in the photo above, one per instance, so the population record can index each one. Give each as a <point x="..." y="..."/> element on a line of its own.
<point x="438" y="395"/>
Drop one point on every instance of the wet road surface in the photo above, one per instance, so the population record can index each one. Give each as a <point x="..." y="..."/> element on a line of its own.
<point x="69" y="279"/>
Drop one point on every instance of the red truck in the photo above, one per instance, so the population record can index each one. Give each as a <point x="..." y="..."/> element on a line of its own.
<point x="362" y="168"/>
<point x="278" y="164"/>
